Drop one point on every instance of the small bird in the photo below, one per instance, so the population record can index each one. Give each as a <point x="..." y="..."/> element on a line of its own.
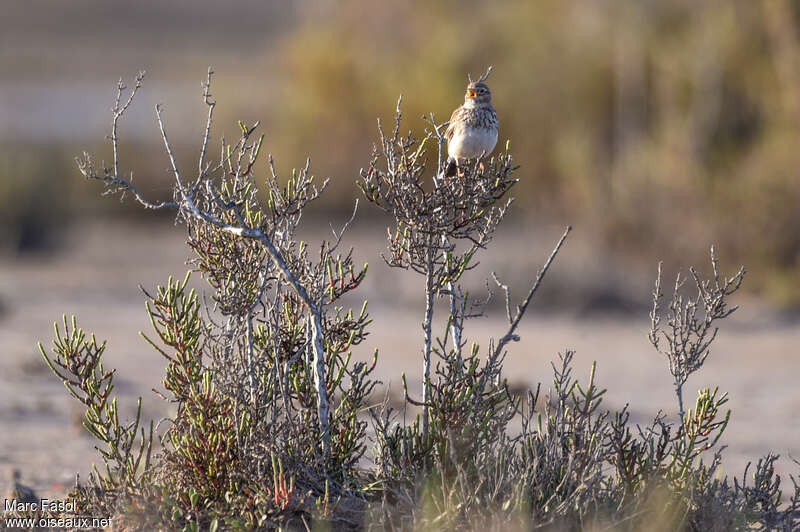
<point x="473" y="126"/>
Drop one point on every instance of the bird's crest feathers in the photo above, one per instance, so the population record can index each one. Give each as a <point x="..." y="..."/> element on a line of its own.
<point x="482" y="78"/>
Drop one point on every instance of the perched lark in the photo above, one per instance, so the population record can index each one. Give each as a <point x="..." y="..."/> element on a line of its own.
<point x="473" y="127"/>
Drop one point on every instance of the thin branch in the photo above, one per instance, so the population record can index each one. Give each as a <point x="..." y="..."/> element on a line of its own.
<point x="119" y="111"/>
<point x="343" y="230"/>
<point x="168" y="147"/>
<point x="509" y="336"/>
<point x="207" y="134"/>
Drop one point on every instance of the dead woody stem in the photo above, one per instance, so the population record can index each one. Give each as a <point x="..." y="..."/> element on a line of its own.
<point x="691" y="321"/>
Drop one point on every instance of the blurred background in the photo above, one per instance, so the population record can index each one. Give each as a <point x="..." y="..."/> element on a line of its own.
<point x="655" y="128"/>
<point x="660" y="126"/>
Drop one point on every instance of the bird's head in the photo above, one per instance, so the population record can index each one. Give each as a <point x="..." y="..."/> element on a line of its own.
<point x="477" y="94"/>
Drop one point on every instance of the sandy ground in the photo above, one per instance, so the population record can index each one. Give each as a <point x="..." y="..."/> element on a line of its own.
<point x="96" y="274"/>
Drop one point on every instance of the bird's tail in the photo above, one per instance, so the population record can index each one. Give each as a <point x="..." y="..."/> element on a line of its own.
<point x="450" y="167"/>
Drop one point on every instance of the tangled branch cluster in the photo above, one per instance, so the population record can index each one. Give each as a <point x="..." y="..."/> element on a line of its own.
<point x="431" y="219"/>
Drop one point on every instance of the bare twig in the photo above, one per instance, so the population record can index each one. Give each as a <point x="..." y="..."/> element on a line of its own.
<point x="514" y="322"/>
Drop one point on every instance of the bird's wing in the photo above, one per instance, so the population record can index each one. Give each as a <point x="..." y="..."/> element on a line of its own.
<point x="451" y="128"/>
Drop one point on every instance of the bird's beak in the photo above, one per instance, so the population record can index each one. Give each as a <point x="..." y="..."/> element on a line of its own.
<point x="471" y="93"/>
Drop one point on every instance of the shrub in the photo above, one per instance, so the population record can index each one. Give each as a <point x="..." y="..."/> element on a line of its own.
<point x="270" y="425"/>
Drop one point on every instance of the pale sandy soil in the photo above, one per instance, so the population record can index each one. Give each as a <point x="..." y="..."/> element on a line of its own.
<point x="96" y="273"/>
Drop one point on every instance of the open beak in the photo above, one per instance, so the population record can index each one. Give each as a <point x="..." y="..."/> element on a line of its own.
<point x="471" y="94"/>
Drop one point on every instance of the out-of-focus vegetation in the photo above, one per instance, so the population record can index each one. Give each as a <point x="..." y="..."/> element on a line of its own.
<point x="654" y="124"/>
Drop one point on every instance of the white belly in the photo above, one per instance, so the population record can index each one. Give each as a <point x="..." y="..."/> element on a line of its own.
<point x="472" y="143"/>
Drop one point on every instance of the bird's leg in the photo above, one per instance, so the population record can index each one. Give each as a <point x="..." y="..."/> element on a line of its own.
<point x="481" y="164"/>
